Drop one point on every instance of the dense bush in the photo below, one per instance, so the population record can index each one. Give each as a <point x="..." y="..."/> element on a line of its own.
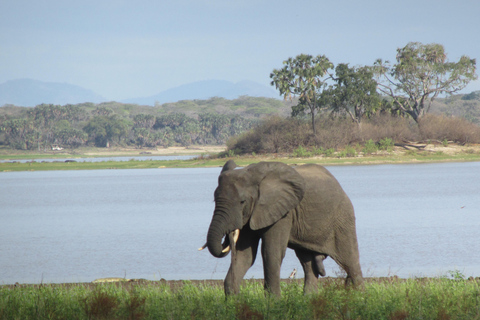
<point x="277" y="135"/>
<point x="274" y="135"/>
<point x="441" y="127"/>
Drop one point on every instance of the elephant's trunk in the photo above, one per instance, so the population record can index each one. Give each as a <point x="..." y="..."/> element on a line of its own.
<point x="220" y="227"/>
<point x="214" y="239"/>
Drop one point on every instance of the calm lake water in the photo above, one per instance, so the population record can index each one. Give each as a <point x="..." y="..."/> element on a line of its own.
<point x="76" y="226"/>
<point x="101" y="159"/>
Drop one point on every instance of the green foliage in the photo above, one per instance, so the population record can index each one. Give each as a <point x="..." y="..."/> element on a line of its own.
<point x="475" y="95"/>
<point x="455" y="275"/>
<point x="20" y="133"/>
<point x="438" y="298"/>
<point x="329" y="152"/>
<point x="354" y="92"/>
<point x="349" y="151"/>
<point x="370" y="147"/>
<point x="421" y="73"/>
<point x="109" y="124"/>
<point x="386" y="144"/>
<point x="106" y="130"/>
<point x="231" y="153"/>
<point x="301" y="152"/>
<point x="244" y="106"/>
<point x="304" y="77"/>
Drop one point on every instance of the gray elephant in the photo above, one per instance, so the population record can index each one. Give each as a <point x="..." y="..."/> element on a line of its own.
<point x="304" y="209"/>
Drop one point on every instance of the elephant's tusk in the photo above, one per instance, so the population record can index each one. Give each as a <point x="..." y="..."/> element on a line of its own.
<point x="227" y="249"/>
<point x="236" y="234"/>
<point x="204" y="246"/>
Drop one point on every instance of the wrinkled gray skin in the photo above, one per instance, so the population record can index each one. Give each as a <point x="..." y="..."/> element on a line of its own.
<point x="304" y="209"/>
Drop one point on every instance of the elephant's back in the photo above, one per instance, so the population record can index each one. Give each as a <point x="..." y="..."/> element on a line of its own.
<point x="321" y="187"/>
<point x="314" y="173"/>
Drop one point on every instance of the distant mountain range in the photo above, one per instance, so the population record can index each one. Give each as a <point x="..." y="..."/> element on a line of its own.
<point x="207" y="89"/>
<point x="29" y="93"/>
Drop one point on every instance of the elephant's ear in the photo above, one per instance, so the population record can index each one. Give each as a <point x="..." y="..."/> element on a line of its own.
<point x="280" y="191"/>
<point x="229" y="165"/>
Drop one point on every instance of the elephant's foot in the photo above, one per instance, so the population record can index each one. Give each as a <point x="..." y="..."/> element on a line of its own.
<point x="272" y="289"/>
<point x="354" y="281"/>
<point x="310" y="285"/>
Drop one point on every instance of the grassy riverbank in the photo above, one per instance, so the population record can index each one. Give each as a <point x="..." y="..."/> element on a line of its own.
<point x="389" y="298"/>
<point x="208" y="158"/>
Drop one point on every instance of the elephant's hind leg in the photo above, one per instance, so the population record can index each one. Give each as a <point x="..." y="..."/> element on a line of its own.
<point x="312" y="264"/>
<point x="352" y="268"/>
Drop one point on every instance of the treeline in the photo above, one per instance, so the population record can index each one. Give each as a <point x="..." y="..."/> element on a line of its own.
<point x="72" y="126"/>
<point x="186" y="122"/>
<point x="248" y="124"/>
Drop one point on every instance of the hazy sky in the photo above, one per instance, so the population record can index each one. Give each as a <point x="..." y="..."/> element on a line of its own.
<point x="125" y="49"/>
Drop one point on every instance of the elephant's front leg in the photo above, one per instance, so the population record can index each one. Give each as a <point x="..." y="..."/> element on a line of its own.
<point x="274" y="245"/>
<point x="243" y="256"/>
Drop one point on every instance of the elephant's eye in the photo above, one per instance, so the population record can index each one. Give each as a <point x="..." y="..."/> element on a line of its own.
<point x="242" y="202"/>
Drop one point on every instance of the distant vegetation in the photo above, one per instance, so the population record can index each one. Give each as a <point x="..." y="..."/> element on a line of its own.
<point x="185" y="123"/>
<point x="248" y="125"/>
<point x="378" y="132"/>
<point x="347" y="107"/>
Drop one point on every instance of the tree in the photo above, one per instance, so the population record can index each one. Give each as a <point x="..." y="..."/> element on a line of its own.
<point x="304" y="77"/>
<point x="20" y="133"/>
<point x="421" y="73"/>
<point x="214" y="127"/>
<point x="144" y="121"/>
<point x="105" y="130"/>
<point x="183" y="128"/>
<point x="143" y="133"/>
<point x="71" y="137"/>
<point x="355" y="92"/>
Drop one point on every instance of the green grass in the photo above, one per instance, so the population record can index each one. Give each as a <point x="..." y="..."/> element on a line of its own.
<point x="437" y="298"/>
<point x="348" y="156"/>
<point x="412" y="157"/>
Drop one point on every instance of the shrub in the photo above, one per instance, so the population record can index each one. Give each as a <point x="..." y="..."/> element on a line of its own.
<point x="444" y="128"/>
<point x="383" y="126"/>
<point x="386" y="144"/>
<point x="329" y="152"/>
<point x="277" y="135"/>
<point x="274" y="135"/>
<point x="301" y="152"/>
<point x="349" y="151"/>
<point x="335" y="133"/>
<point x="370" y="147"/>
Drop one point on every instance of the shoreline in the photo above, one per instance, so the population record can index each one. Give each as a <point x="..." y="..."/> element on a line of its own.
<point x="176" y="284"/>
<point x="8" y="154"/>
<point x="207" y="157"/>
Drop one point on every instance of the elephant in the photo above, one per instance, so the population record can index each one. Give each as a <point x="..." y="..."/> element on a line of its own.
<point x="302" y="208"/>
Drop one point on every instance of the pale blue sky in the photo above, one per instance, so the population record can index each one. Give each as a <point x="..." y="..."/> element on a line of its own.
<point x="124" y="49"/>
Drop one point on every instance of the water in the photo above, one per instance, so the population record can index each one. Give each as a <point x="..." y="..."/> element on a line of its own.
<point x="101" y="159"/>
<point x="76" y="226"/>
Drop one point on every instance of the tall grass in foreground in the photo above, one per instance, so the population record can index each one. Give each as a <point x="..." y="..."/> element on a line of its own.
<point x="389" y="299"/>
